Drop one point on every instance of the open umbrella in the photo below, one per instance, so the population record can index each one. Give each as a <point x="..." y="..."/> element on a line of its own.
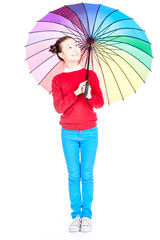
<point x="112" y="44"/>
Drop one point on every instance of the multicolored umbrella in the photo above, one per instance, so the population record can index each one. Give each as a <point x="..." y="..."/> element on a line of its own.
<point x="118" y="49"/>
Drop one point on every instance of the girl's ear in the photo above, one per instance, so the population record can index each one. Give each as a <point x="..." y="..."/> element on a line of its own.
<point x="61" y="55"/>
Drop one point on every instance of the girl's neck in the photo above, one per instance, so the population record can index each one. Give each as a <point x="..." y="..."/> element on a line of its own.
<point x="72" y="70"/>
<point x="71" y="65"/>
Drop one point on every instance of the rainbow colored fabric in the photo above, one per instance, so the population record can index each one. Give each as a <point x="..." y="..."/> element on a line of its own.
<point x="121" y="54"/>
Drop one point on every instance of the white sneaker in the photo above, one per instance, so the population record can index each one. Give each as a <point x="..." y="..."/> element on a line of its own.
<point x="75" y="225"/>
<point x="86" y="224"/>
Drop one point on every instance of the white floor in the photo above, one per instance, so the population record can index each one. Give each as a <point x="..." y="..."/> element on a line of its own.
<point x="119" y="212"/>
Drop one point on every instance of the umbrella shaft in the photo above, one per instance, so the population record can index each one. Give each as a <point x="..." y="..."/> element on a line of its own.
<point x="88" y="62"/>
<point x="87" y="83"/>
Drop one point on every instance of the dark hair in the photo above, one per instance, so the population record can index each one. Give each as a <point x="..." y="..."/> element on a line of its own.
<point x="56" y="48"/>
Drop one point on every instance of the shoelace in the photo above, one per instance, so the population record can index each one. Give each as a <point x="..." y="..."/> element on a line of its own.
<point x="75" y="220"/>
<point x="85" y="221"/>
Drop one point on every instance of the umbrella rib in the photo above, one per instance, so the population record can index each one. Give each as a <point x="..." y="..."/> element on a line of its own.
<point x="106" y="28"/>
<point x="86" y="61"/>
<point x="39" y="41"/>
<point x="83" y="46"/>
<point x="87" y="18"/>
<point x="43" y="40"/>
<point x="118" y="36"/>
<point x="129" y="54"/>
<point x="113" y="31"/>
<point x="50" y="31"/>
<point x="74" y="25"/>
<point x="79" y="21"/>
<point x="48" y="73"/>
<point x="92" y="60"/>
<point x="110" y="34"/>
<point x="95" y="34"/>
<point x="47" y="40"/>
<point x="97" y="59"/>
<point x="42" y="63"/>
<point x="104" y="60"/>
<point x="118" y="43"/>
<point x="127" y="63"/>
<point x="72" y="21"/>
<point x="56" y="31"/>
<point x="37" y="53"/>
<point x="123" y="73"/>
<point x="83" y="54"/>
<point x="77" y="36"/>
<point x="101" y="45"/>
<point x="70" y="29"/>
<point x="82" y="57"/>
<point x="96" y="18"/>
<point x="94" y="52"/>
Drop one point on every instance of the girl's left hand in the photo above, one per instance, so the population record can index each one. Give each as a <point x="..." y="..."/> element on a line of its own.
<point x="89" y="93"/>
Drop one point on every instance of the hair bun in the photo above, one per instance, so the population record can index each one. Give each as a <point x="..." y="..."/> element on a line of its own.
<point x="53" y="48"/>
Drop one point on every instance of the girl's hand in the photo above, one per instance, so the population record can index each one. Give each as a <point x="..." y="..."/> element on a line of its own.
<point x="80" y="89"/>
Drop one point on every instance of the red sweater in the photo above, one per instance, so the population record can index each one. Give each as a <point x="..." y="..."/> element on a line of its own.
<point x="77" y="111"/>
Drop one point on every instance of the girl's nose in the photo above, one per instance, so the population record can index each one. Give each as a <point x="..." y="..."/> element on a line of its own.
<point x="76" y="49"/>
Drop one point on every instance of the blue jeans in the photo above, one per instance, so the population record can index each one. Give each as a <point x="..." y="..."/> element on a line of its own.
<point x="80" y="149"/>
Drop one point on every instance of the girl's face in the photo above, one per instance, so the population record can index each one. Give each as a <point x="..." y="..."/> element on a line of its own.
<point x="70" y="51"/>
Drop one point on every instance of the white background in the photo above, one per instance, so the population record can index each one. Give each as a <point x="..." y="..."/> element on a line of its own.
<point x="34" y="201"/>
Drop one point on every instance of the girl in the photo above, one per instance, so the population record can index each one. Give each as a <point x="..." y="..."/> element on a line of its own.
<point x="79" y="131"/>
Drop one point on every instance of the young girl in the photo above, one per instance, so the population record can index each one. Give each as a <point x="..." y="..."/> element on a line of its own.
<point x="79" y="131"/>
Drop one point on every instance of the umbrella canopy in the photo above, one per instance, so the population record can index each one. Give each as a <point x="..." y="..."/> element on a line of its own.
<point x="120" y="52"/>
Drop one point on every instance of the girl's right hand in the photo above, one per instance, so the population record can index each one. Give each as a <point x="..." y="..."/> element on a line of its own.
<point x="80" y="89"/>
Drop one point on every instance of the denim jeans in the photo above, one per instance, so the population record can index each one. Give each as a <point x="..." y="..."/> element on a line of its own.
<point x="80" y="149"/>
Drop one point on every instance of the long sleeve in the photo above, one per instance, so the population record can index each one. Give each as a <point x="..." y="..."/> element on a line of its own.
<point x="61" y="103"/>
<point x="77" y="111"/>
<point x="96" y="100"/>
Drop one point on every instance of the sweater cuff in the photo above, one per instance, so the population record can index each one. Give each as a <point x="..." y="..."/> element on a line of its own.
<point x="96" y="102"/>
<point x="74" y="95"/>
<point x="90" y="101"/>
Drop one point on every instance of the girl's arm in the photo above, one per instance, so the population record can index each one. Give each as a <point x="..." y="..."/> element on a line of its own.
<point x="96" y="100"/>
<point x="61" y="103"/>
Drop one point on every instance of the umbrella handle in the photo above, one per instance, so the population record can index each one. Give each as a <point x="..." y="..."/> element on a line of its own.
<point x="86" y="89"/>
